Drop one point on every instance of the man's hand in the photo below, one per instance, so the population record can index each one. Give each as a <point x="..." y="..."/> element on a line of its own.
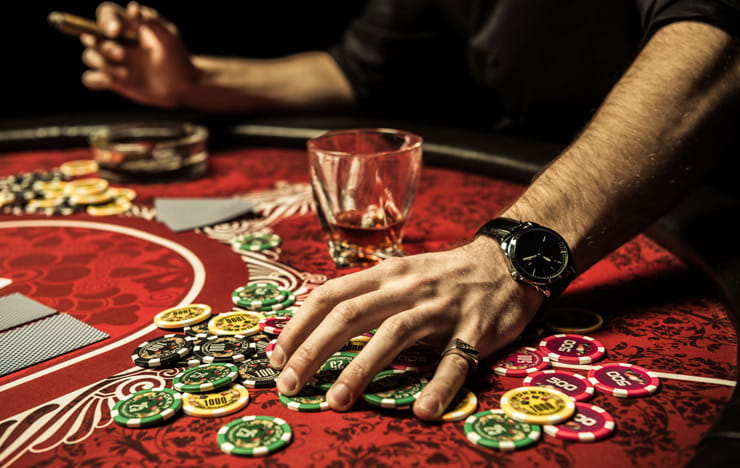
<point x="464" y="293"/>
<point x="157" y="71"/>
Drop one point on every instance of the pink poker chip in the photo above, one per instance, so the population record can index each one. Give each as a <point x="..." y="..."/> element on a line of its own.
<point x="572" y="349"/>
<point x="575" y="386"/>
<point x="273" y="325"/>
<point x="522" y="362"/>
<point x="623" y="380"/>
<point x="588" y="424"/>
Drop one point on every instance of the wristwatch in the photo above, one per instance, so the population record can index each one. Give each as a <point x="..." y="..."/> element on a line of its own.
<point x="537" y="255"/>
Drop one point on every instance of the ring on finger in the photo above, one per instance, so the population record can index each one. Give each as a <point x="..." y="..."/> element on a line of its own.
<point x="464" y="350"/>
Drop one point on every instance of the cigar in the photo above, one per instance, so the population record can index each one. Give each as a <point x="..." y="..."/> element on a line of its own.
<point x="75" y="25"/>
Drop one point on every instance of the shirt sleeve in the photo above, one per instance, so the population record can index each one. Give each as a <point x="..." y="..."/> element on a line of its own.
<point x="723" y="14"/>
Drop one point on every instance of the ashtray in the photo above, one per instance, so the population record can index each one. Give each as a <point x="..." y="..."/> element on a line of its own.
<point x="151" y="152"/>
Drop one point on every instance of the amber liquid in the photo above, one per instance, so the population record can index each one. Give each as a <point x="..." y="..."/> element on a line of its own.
<point x="371" y="234"/>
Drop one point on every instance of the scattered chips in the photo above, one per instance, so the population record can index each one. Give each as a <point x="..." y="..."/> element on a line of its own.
<point x="254" y="436"/>
<point x="311" y="398"/>
<point x="574" y="385"/>
<point x="394" y="389"/>
<point x="522" y="362"/>
<point x="537" y="405"/>
<point x="147" y="407"/>
<point x="572" y="349"/>
<point x="463" y="405"/>
<point x="624" y="380"/>
<point x="233" y="349"/>
<point x="257" y="372"/>
<point x="496" y="430"/>
<point x="590" y="423"/>
<point x="164" y="351"/>
<point x="216" y="403"/>
<point x="178" y="317"/>
<point x="205" y="377"/>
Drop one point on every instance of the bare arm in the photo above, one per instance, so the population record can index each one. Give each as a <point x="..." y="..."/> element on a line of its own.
<point x="654" y="138"/>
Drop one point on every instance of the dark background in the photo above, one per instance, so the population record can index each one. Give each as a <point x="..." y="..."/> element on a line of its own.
<point x="41" y="68"/>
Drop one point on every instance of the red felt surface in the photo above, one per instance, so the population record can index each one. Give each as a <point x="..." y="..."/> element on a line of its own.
<point x="658" y="313"/>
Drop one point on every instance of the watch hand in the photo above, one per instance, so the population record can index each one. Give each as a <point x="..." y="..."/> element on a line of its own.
<point x="530" y="257"/>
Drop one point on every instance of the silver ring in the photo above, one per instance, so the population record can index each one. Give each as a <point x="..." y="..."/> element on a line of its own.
<point x="468" y="352"/>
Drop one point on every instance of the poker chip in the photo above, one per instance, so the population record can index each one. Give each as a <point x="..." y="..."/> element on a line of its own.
<point x="273" y="325"/>
<point x="147" y="407"/>
<point x="574" y="385"/>
<point x="123" y="192"/>
<point x="287" y="313"/>
<point x="257" y="295"/>
<point x="260" y="340"/>
<point x="590" y="423"/>
<point x="88" y="186"/>
<point x="522" y="362"/>
<point x="309" y="399"/>
<point x="289" y="301"/>
<point x="328" y="373"/>
<point x="257" y="372"/>
<point x="537" y="405"/>
<point x="254" y="436"/>
<point x="91" y="198"/>
<point x="256" y="242"/>
<point x="270" y="346"/>
<point x="355" y="345"/>
<point x="205" y="377"/>
<point x="164" y="351"/>
<point x="419" y="358"/>
<point x="117" y="206"/>
<point x="227" y="348"/>
<point x="623" y="380"/>
<point x="572" y="349"/>
<point x="198" y="330"/>
<point x="463" y="405"/>
<point x="222" y="402"/>
<point x="494" y="429"/>
<point x="572" y="320"/>
<point x="178" y="317"/>
<point x="243" y="323"/>
<point x="394" y="388"/>
<point x="78" y="168"/>
<point x="188" y="361"/>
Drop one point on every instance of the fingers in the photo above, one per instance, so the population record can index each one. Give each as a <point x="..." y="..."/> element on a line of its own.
<point x="439" y="392"/>
<point x="110" y="18"/>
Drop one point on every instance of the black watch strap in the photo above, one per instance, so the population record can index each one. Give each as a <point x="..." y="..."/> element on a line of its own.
<point x="499" y="228"/>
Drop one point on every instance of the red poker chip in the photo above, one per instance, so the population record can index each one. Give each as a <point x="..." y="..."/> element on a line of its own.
<point x="588" y="424"/>
<point x="572" y="349"/>
<point x="574" y="385"/>
<point x="270" y="346"/>
<point x="522" y="362"/>
<point x="273" y="325"/>
<point x="624" y="380"/>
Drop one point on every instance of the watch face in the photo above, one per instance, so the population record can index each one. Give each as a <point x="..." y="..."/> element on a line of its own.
<point x="539" y="254"/>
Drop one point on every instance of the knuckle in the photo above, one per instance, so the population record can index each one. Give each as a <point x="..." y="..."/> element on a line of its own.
<point x="398" y="327"/>
<point x="346" y="312"/>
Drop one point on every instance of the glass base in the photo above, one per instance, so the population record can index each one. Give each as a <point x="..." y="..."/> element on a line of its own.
<point x="347" y="255"/>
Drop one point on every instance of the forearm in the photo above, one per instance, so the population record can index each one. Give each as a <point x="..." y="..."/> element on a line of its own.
<point x="654" y="137"/>
<point x="298" y="82"/>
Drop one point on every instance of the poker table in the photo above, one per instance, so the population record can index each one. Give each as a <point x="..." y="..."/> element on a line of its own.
<point x="669" y="304"/>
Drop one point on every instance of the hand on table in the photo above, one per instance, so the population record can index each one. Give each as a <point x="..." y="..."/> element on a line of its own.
<point x="464" y="293"/>
<point x="157" y="71"/>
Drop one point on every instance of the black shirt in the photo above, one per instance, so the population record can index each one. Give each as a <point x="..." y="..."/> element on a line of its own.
<point x="534" y="67"/>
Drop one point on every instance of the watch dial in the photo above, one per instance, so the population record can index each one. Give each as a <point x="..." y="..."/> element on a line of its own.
<point x="539" y="254"/>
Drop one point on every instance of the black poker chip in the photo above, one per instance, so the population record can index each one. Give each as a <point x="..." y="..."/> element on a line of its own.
<point x="197" y="330"/>
<point x="224" y="348"/>
<point x="260" y="340"/>
<point x="164" y="351"/>
<point x="257" y="373"/>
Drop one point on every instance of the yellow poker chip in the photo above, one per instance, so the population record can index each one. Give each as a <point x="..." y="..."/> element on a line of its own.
<point x="244" y="323"/>
<point x="88" y="186"/>
<point x="117" y="206"/>
<point x="123" y="192"/>
<point x="79" y="167"/>
<point x="216" y="403"/>
<point x="91" y="198"/>
<point x="538" y="405"/>
<point x="463" y="405"/>
<point x="178" y="317"/>
<point x="355" y="345"/>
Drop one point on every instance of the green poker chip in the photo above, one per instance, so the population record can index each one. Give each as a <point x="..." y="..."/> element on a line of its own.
<point x="394" y="389"/>
<point x="496" y="430"/>
<point x="287" y="302"/>
<point x="256" y="242"/>
<point x="205" y="377"/>
<point x="256" y="295"/>
<point x="311" y="398"/>
<point x="254" y="436"/>
<point x="147" y="407"/>
<point x="330" y="370"/>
